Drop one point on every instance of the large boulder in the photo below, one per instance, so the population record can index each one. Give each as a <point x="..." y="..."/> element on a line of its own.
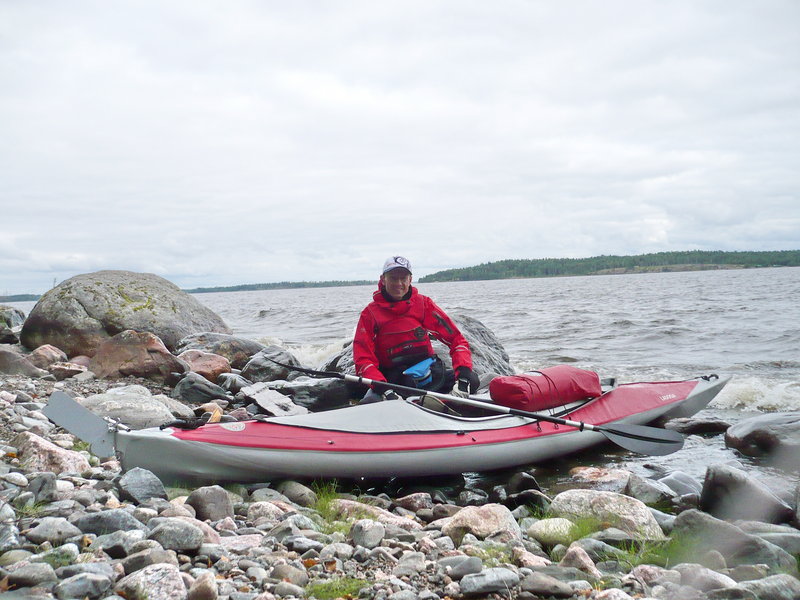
<point x="772" y="436"/>
<point x="730" y="493"/>
<point x="82" y="312"/>
<point x="488" y="355"/>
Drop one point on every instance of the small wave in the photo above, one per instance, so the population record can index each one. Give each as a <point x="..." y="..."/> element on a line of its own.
<point x="755" y="393"/>
<point x="270" y="341"/>
<point x="316" y="355"/>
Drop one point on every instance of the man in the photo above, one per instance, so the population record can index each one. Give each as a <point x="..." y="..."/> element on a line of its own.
<point x="393" y="339"/>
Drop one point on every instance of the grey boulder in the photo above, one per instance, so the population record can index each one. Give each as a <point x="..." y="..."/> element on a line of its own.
<point x="80" y="313"/>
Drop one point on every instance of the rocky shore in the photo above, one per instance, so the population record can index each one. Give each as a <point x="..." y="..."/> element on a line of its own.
<point x="73" y="525"/>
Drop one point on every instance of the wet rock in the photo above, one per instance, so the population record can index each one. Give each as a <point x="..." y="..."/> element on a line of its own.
<point x="82" y="312"/>
<point x="137" y="354"/>
<point x="681" y="483"/>
<point x="533" y="499"/>
<point x="773" y="436"/>
<point x="730" y="493"/>
<point x="648" y="491"/>
<point x="623" y="512"/>
<point x="207" y="364"/>
<point x="695" y="426"/>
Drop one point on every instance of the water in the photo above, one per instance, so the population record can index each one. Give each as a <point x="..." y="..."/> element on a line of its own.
<point x="634" y="327"/>
<point x="658" y="326"/>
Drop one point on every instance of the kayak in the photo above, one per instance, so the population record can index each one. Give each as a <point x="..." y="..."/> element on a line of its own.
<point x="398" y="438"/>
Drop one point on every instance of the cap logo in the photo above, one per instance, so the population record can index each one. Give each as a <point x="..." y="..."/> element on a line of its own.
<point x="403" y="262"/>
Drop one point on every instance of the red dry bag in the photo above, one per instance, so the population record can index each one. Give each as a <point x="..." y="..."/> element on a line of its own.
<point x="544" y="389"/>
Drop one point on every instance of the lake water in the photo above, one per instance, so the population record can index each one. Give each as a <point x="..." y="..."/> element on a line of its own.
<point x="655" y="326"/>
<point x="644" y="327"/>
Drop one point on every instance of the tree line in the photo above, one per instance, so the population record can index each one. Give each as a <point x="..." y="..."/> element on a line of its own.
<point x="598" y="265"/>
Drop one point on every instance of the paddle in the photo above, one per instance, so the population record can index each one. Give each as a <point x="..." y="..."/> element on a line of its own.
<point x="636" y="438"/>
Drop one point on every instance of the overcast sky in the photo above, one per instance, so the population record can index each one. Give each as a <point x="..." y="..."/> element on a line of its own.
<point x="219" y="143"/>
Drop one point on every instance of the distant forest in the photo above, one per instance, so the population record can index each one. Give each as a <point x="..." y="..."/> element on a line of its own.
<point x="692" y="260"/>
<point x="249" y="287"/>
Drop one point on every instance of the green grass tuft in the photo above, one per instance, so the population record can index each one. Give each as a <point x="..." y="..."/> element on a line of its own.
<point x="340" y="587"/>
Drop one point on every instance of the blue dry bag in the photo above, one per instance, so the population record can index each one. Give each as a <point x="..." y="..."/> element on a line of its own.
<point x="420" y="372"/>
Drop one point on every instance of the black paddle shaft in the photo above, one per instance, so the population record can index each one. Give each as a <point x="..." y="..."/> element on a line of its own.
<point x="641" y="439"/>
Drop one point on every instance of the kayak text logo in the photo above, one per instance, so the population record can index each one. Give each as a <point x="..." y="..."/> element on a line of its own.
<point x="666" y="397"/>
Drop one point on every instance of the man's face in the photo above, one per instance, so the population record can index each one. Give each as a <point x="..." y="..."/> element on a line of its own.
<point x="396" y="283"/>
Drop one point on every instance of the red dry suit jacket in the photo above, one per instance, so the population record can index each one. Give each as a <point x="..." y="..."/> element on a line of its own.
<point x="394" y="334"/>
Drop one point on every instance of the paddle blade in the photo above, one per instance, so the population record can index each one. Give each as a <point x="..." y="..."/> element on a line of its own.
<point x="650" y="441"/>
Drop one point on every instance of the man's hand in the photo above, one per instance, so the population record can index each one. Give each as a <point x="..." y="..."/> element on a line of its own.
<point x="390" y="395"/>
<point x="461" y="389"/>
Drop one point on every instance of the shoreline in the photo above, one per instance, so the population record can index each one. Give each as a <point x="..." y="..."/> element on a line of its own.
<point x="274" y="541"/>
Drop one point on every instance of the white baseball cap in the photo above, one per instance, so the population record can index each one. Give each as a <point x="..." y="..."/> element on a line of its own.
<point x="396" y="262"/>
